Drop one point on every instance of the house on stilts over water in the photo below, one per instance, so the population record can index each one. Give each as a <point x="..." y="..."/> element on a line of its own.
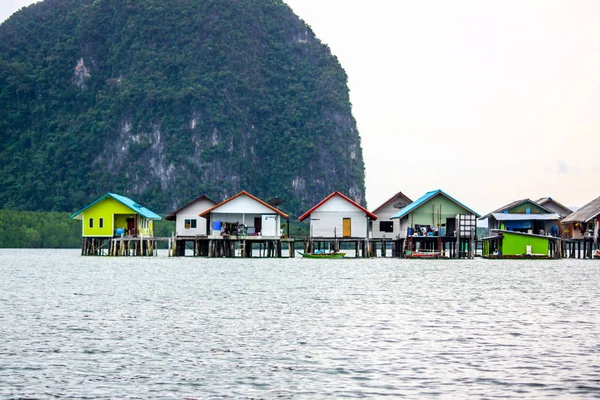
<point x="581" y="231"/>
<point x="116" y="225"/>
<point x="437" y="225"/>
<point x="190" y="228"/>
<point x="241" y="224"/>
<point x="522" y="229"/>
<point x="338" y="219"/>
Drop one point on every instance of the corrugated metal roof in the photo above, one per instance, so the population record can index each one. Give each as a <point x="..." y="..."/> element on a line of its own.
<point x="126" y="201"/>
<point x="585" y="213"/>
<point x="424" y="199"/>
<point x="560" y="209"/>
<point x="526" y="217"/>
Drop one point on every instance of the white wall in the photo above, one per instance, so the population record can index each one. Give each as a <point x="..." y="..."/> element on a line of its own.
<point x="384" y="215"/>
<point x="244" y="204"/>
<point x="329" y="224"/>
<point x="191" y="211"/>
<point x="271" y="222"/>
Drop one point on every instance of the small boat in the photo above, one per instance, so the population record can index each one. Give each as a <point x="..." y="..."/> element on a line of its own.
<point x="323" y="254"/>
<point x="422" y="254"/>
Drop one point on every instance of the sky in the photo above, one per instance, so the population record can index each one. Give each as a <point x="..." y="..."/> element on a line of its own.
<point x="490" y="101"/>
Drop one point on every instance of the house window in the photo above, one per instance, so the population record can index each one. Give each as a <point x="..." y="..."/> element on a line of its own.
<point x="91" y="222"/>
<point x="386" y="226"/>
<point x="101" y="223"/>
<point x="190" y="223"/>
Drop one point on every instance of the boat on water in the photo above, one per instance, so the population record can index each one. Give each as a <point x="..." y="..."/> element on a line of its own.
<point x="422" y="254"/>
<point x="323" y="254"/>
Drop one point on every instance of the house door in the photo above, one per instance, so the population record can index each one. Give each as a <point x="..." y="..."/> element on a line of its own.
<point x="269" y="225"/>
<point x="347" y="227"/>
<point x="450" y="226"/>
<point x="131" y="227"/>
<point x="257" y="224"/>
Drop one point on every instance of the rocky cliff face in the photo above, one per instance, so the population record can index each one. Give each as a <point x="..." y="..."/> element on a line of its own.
<point x="166" y="100"/>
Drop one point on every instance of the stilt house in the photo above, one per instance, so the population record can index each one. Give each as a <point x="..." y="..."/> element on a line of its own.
<point x="437" y="225"/>
<point x="521" y="229"/>
<point x="525" y="216"/>
<point x="244" y="215"/>
<point x="436" y="214"/>
<point x="385" y="226"/>
<point x="338" y="216"/>
<point x="584" y="223"/>
<point x="188" y="223"/>
<point x="113" y="215"/>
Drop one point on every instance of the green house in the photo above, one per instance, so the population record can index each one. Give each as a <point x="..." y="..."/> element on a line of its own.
<point x="436" y="214"/>
<point x="510" y="244"/>
<point x="115" y="215"/>
<point x="525" y="216"/>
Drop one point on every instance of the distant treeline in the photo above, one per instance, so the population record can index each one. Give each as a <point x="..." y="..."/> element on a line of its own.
<point x="52" y="230"/>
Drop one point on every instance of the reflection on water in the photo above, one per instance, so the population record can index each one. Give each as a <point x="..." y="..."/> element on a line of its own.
<point x="175" y="328"/>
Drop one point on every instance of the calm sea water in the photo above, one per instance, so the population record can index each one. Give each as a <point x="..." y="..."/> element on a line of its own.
<point x="175" y="328"/>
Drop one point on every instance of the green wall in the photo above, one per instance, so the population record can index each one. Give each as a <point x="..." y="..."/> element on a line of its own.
<point x="427" y="213"/>
<point x="522" y="208"/>
<point x="514" y="244"/>
<point x="104" y="209"/>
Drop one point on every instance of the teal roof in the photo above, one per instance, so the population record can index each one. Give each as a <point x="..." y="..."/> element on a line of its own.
<point x="424" y="199"/>
<point x="126" y="201"/>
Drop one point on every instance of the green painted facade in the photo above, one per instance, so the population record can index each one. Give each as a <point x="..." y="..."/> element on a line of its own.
<point x="522" y="209"/>
<point x="104" y="217"/>
<point x="436" y="208"/>
<point x="515" y="244"/>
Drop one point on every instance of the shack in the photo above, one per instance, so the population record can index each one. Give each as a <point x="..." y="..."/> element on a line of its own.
<point x="116" y="216"/>
<point x="243" y="221"/>
<point x="437" y="225"/>
<point x="518" y="245"/>
<point x="189" y="226"/>
<point x="581" y="231"/>
<point x="335" y="219"/>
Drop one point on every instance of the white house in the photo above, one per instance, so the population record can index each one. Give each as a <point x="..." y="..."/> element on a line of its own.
<point x="187" y="221"/>
<point x="385" y="226"/>
<point x="244" y="215"/>
<point x="337" y="216"/>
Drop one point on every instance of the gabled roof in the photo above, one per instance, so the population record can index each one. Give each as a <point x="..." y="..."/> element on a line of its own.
<point x="242" y="193"/>
<point x="127" y="202"/>
<point x="336" y="193"/>
<point x="424" y="199"/>
<point x="173" y="215"/>
<point x="397" y="198"/>
<point x="515" y="204"/>
<point x="546" y="201"/>
<point x="586" y="213"/>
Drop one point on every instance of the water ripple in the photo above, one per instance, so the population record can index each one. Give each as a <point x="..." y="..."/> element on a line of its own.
<point x="136" y="328"/>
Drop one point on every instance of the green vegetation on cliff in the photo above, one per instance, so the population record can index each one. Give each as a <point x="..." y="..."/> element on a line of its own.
<point x="164" y="100"/>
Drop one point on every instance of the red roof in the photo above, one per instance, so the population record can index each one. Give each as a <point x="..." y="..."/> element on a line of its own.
<point x="336" y="193"/>
<point x="243" y="192"/>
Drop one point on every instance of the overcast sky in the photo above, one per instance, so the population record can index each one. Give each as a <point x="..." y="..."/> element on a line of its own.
<point x="490" y="101"/>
